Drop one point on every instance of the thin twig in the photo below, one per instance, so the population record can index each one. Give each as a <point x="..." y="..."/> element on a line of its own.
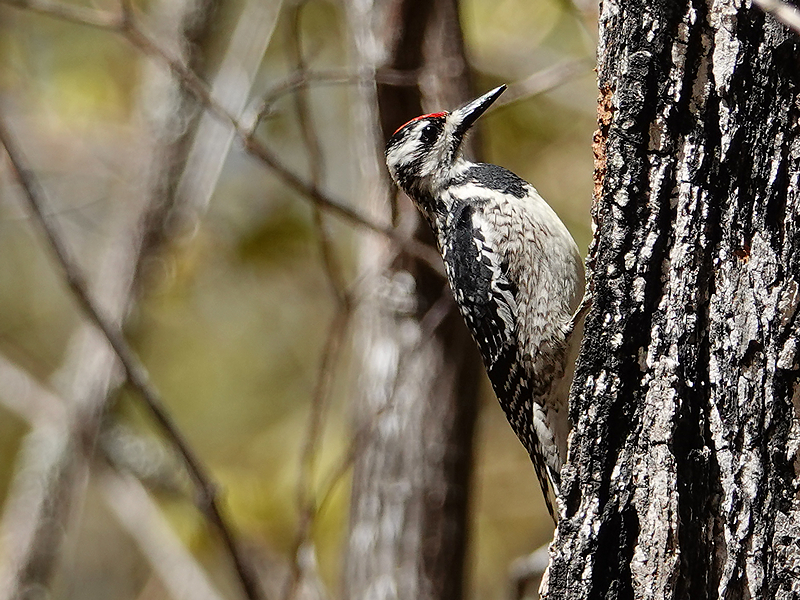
<point x="197" y="87"/>
<point x="330" y="262"/>
<point x="129" y="501"/>
<point x="71" y="13"/>
<point x="135" y="372"/>
<point x="428" y="325"/>
<point x="126" y="13"/>
<point x="141" y="517"/>
<point x="343" y="76"/>
<point x="194" y="84"/>
<point x="544" y="81"/>
<point x="232" y="86"/>
<point x="784" y="12"/>
<point x="346" y="461"/>
<point x="527" y="570"/>
<point x="26" y="397"/>
<point x="306" y="500"/>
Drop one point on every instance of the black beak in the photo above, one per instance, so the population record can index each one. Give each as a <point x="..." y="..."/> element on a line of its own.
<point x="466" y="116"/>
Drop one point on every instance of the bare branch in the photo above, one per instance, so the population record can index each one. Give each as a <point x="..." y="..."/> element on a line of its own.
<point x="195" y="85"/>
<point x="71" y="13"/>
<point x="45" y="219"/>
<point x="306" y="499"/>
<point x="126" y="12"/>
<point x="21" y="394"/>
<point x="304" y="79"/>
<point x="309" y="506"/>
<point x="232" y="86"/>
<point x="316" y="164"/>
<point x="303" y="555"/>
<point x="544" y="81"/>
<point x="143" y="520"/>
<point x="135" y="372"/>
<point x="198" y="88"/>
<point x="527" y="571"/>
<point x="424" y="387"/>
<point x="784" y="12"/>
<point x="126" y="497"/>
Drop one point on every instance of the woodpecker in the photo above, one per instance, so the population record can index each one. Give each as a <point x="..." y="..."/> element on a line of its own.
<point x="515" y="272"/>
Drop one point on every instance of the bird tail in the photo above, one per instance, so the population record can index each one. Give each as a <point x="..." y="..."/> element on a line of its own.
<point x="550" y="482"/>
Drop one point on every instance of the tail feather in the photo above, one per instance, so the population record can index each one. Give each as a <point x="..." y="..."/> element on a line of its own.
<point x="550" y="482"/>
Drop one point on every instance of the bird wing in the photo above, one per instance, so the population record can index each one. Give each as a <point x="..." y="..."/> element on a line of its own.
<point x="486" y="296"/>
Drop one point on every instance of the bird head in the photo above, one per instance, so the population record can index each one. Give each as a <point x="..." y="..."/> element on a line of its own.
<point x="423" y="152"/>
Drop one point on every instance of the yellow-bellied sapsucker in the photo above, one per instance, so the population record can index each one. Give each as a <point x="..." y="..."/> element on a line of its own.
<point x="515" y="272"/>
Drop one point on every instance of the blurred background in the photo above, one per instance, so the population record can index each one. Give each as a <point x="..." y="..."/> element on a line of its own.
<point x="230" y="300"/>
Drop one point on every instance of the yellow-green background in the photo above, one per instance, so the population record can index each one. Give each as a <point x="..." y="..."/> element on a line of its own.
<point x="234" y="322"/>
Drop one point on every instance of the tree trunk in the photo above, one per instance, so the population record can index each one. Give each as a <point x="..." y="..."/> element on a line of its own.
<point x="681" y="475"/>
<point x="419" y="368"/>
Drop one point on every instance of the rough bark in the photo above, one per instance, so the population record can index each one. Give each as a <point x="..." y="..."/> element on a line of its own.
<point x="419" y="368"/>
<point x="681" y="476"/>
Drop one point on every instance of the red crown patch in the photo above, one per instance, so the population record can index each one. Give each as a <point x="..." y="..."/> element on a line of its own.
<point x="439" y="114"/>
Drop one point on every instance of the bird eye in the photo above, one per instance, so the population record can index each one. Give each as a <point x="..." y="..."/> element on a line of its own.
<point x="428" y="133"/>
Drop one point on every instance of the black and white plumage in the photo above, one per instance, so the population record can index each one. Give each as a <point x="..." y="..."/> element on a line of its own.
<point x="515" y="272"/>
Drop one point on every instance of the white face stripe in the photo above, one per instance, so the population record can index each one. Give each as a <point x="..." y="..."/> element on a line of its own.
<point x="412" y="149"/>
<point x="406" y="151"/>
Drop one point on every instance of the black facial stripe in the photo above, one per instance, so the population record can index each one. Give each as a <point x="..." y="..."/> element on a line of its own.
<point x="395" y="140"/>
<point x="406" y="172"/>
<point x="433" y="125"/>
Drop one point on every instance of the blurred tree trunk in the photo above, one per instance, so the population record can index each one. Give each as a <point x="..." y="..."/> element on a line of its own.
<point x="681" y="480"/>
<point x="419" y="368"/>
